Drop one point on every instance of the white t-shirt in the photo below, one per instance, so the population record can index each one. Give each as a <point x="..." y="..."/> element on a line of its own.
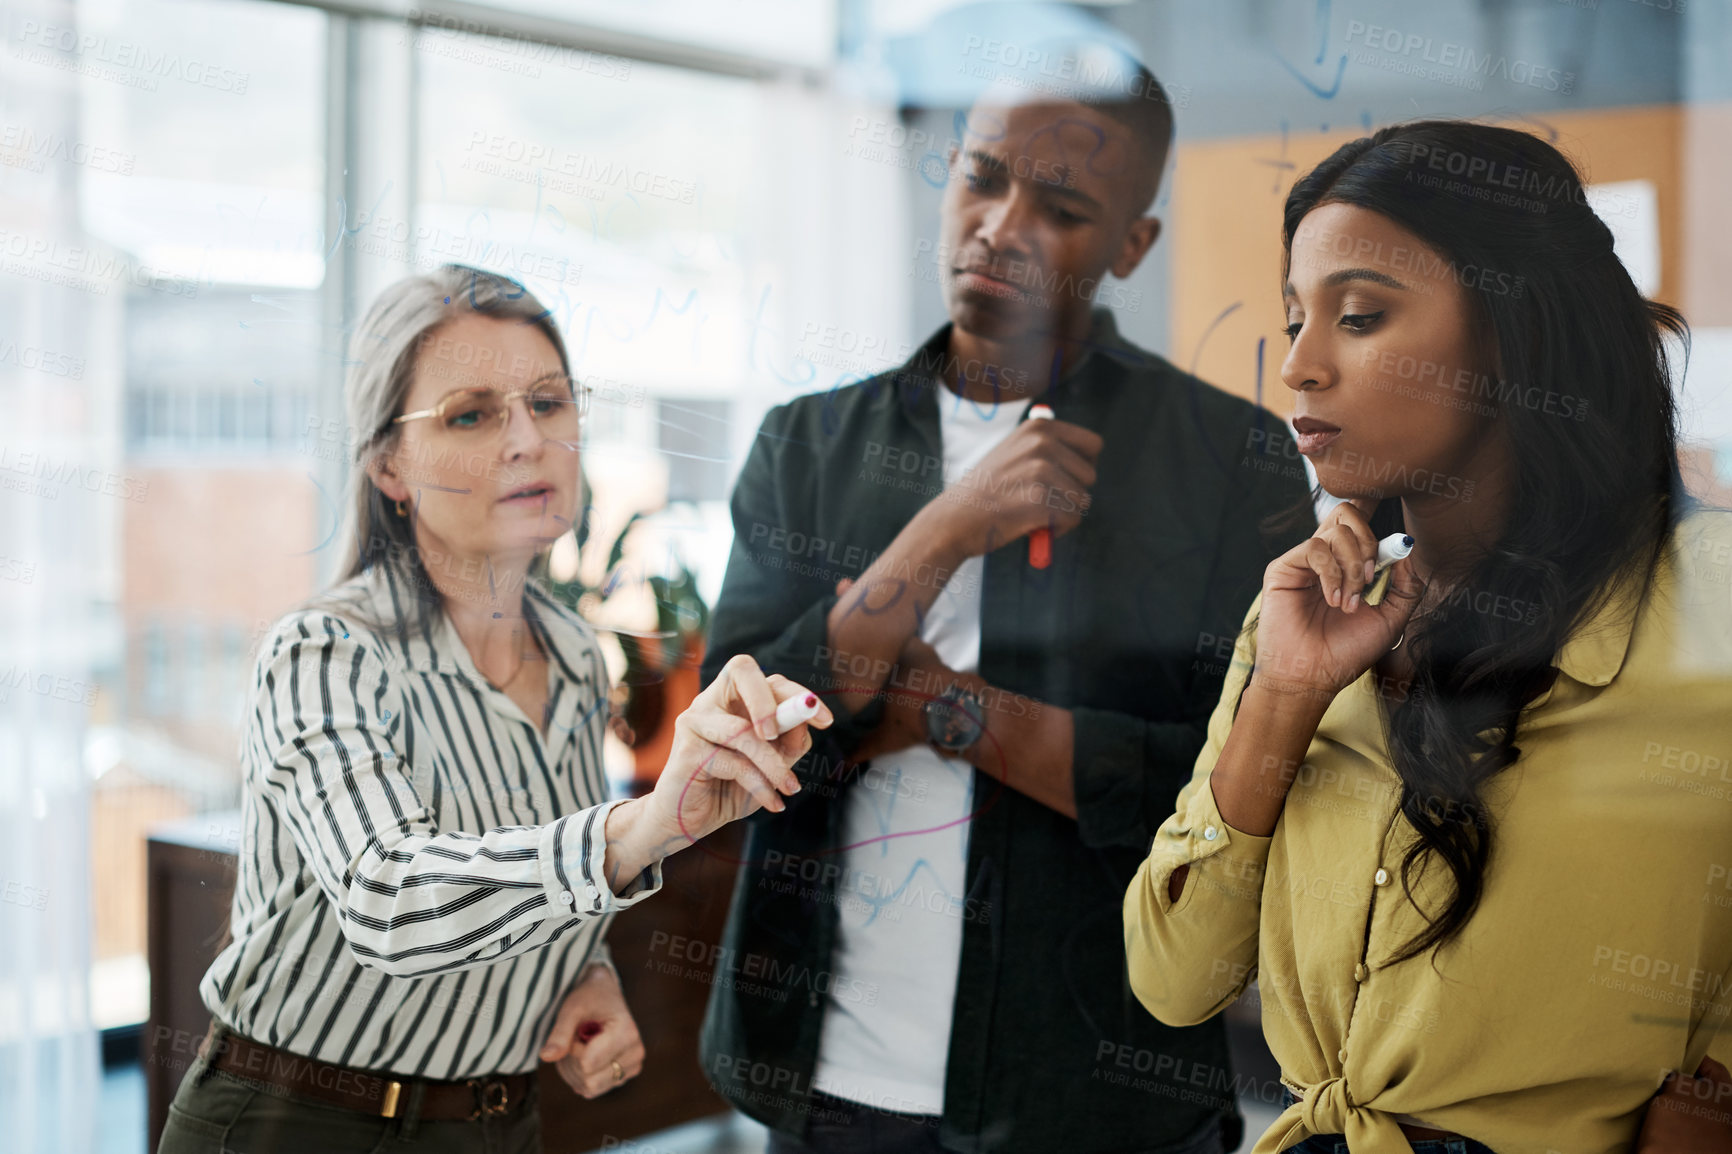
<point x="886" y="1034"/>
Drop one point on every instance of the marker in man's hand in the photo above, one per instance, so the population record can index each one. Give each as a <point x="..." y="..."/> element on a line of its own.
<point x="1040" y="541"/>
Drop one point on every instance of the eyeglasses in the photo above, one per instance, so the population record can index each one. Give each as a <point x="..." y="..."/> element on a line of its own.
<point x="481" y="413"/>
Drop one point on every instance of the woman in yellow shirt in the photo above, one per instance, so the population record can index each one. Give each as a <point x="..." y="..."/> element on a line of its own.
<point x="1473" y="842"/>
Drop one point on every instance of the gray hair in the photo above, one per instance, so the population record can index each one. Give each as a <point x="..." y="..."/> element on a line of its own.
<point x="381" y="364"/>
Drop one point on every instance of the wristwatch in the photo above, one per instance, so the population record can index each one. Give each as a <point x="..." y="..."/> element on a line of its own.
<point x="955" y="719"/>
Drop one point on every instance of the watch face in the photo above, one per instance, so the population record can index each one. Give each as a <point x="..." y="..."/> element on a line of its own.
<point x="955" y="728"/>
<point x="953" y="721"/>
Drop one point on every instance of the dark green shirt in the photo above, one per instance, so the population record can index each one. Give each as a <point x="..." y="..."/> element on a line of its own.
<point x="1131" y="627"/>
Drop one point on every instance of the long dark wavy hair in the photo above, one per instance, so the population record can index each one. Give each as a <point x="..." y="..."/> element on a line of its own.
<point x="1593" y="500"/>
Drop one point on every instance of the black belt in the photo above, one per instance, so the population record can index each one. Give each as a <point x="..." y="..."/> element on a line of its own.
<point x="365" y="1091"/>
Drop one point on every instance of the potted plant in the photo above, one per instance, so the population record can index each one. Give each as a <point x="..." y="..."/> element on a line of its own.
<point x="661" y="665"/>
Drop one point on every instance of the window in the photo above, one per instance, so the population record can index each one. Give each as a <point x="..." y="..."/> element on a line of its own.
<point x="171" y="156"/>
<point x="694" y="438"/>
<point x="157" y="689"/>
<point x="627" y="208"/>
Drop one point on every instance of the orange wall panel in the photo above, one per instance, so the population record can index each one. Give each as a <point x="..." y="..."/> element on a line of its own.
<point x="223" y="544"/>
<point x="1225" y="229"/>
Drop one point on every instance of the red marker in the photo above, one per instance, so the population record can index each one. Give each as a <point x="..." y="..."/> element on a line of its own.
<point x="587" y="1030"/>
<point x="1040" y="541"/>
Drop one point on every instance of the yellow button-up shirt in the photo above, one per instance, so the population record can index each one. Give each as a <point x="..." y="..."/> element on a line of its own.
<point x="1600" y="956"/>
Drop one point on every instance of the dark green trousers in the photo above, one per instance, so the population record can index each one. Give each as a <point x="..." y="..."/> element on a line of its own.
<point x="215" y="1112"/>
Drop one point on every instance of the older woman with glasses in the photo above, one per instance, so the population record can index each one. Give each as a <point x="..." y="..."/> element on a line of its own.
<point x="430" y="860"/>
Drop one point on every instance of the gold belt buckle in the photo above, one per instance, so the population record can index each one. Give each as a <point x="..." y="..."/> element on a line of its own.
<point x="485" y="1102"/>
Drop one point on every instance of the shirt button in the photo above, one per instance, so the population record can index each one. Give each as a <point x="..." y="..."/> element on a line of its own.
<point x="1210" y="833"/>
<point x="812" y="997"/>
<point x="1359" y="973"/>
<point x="1341" y="1055"/>
<point x="590" y="892"/>
<point x="1381" y="877"/>
<point x="565" y="897"/>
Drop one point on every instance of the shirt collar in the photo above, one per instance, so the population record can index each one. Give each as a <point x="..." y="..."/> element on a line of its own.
<point x="438" y="648"/>
<point x="1596" y="649"/>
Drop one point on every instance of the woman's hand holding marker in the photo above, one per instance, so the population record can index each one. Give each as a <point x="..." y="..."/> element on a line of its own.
<point x="724" y="764"/>
<point x="1334" y="605"/>
<point x="795" y="711"/>
<point x="1316" y="632"/>
<point x="1389" y="550"/>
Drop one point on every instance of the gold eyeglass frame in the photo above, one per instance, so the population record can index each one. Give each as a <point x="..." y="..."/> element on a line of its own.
<point x="580" y="396"/>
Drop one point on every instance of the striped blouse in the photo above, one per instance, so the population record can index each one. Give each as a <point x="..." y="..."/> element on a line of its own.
<point x="420" y="875"/>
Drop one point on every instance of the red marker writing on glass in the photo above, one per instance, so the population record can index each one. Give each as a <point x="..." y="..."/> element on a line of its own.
<point x="1040" y="541"/>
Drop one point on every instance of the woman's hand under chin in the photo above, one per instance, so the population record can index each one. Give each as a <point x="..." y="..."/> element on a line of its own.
<point x="1314" y="634"/>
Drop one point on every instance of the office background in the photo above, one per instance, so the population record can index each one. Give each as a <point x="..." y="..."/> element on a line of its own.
<point x="725" y="203"/>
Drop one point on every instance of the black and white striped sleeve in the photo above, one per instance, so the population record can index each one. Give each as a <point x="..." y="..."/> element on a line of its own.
<point x="410" y="899"/>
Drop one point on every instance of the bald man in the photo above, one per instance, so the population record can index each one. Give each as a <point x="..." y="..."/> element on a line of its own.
<point x="1021" y="626"/>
